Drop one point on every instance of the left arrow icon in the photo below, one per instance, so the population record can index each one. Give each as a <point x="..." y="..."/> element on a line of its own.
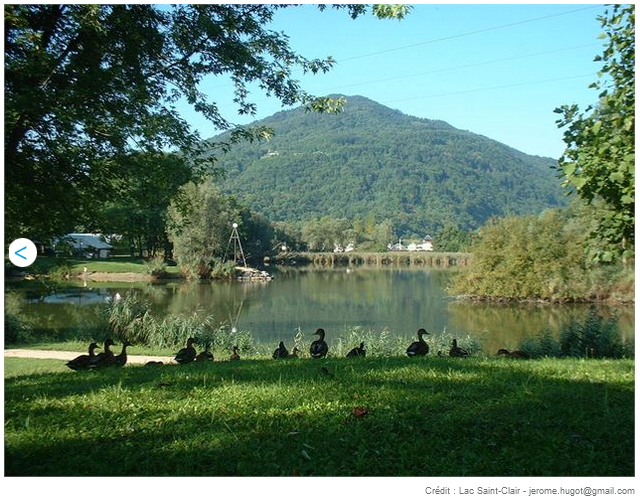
<point x="17" y="253"/>
<point x="22" y="252"/>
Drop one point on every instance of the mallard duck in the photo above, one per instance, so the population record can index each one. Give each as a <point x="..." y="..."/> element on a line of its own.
<point x="235" y="355"/>
<point x="456" y="351"/>
<point x="281" y="351"/>
<point x="188" y="354"/>
<point x="419" y="348"/>
<point x="121" y="359"/>
<point x="319" y="348"/>
<point x="82" y="362"/>
<point x="359" y="351"/>
<point x="104" y="359"/>
<point x="513" y="354"/>
<point x="206" y="355"/>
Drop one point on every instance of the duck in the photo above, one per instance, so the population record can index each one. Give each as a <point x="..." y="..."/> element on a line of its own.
<point x="280" y="352"/>
<point x="235" y="356"/>
<point x="104" y="359"/>
<point x="295" y="352"/>
<point x="121" y="359"/>
<point x="206" y="355"/>
<point x="513" y="354"/>
<point x="82" y="362"/>
<point x="319" y="348"/>
<point x="359" y="351"/>
<point x="419" y="347"/>
<point x="457" y="352"/>
<point x="187" y="354"/>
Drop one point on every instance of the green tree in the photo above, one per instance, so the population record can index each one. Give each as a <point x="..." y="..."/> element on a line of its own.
<point x="199" y="226"/>
<point x="599" y="162"/>
<point x="145" y="190"/>
<point x="85" y="85"/>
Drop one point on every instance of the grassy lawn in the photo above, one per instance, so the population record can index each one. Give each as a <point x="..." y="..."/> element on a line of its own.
<point x="116" y="264"/>
<point x="373" y="416"/>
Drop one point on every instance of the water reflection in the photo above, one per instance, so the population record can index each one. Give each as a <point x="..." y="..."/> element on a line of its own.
<point x="400" y="300"/>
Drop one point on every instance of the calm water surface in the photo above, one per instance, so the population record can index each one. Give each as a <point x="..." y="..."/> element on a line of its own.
<point x="400" y="300"/>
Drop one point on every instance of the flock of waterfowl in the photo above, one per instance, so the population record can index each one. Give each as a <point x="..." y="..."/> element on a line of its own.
<point x="317" y="349"/>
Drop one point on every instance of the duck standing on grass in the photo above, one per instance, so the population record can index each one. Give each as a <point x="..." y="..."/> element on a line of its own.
<point x="357" y="352"/>
<point x="513" y="354"/>
<point x="188" y="354"/>
<point x="235" y="356"/>
<point x="104" y="359"/>
<point x="121" y="359"/>
<point x="319" y="348"/>
<point x="280" y="352"/>
<point x="206" y="355"/>
<point x="82" y="362"/>
<point x="457" y="352"/>
<point x="419" y="347"/>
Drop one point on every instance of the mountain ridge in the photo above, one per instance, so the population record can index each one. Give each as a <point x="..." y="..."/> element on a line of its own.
<point x="421" y="174"/>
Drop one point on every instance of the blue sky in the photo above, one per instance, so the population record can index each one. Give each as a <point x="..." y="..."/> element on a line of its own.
<point x="496" y="70"/>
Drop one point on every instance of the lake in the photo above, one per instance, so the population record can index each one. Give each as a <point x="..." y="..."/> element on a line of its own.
<point x="397" y="299"/>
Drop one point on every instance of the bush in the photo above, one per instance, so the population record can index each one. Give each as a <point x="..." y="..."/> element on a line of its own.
<point x="16" y="327"/>
<point x="156" y="266"/>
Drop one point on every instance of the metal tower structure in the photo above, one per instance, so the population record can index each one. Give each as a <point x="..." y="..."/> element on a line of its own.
<point x="238" y="253"/>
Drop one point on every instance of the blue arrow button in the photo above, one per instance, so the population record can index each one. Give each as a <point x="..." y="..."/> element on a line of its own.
<point x="17" y="253"/>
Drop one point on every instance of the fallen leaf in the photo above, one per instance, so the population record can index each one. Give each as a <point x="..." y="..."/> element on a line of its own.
<point x="360" y="411"/>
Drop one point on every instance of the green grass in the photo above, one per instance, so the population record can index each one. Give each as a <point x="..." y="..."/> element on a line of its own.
<point x="117" y="264"/>
<point x="432" y="416"/>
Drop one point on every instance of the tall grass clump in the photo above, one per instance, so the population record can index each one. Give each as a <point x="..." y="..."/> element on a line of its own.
<point x="595" y="337"/>
<point x="130" y="318"/>
<point x="385" y="343"/>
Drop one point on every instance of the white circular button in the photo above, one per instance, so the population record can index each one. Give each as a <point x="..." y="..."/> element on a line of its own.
<point x="22" y="252"/>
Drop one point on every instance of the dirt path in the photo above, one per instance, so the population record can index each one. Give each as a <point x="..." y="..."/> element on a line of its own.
<point x="70" y="355"/>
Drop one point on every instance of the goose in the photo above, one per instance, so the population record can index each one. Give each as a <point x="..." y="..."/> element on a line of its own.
<point x="235" y="355"/>
<point x="121" y="359"/>
<point x="419" y="348"/>
<point x="206" y="355"/>
<point x="456" y="351"/>
<point x="280" y="352"/>
<point x="319" y="348"/>
<point x="513" y="354"/>
<point x="359" y="351"/>
<point x="82" y="362"/>
<point x="104" y="359"/>
<point x="187" y="354"/>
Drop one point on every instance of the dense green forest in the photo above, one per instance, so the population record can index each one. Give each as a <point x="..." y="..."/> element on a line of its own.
<point x="418" y="173"/>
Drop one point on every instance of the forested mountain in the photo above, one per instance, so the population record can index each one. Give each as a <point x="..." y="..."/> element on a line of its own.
<point x="370" y="159"/>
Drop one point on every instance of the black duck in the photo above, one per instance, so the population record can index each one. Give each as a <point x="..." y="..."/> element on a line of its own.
<point x="235" y="356"/>
<point x="419" y="348"/>
<point x="359" y="351"/>
<point x="121" y="359"/>
<point x="188" y="354"/>
<point x="280" y="352"/>
<point x="457" y="352"/>
<point x="104" y="359"/>
<point x="206" y="355"/>
<point x="82" y="362"/>
<point x="319" y="348"/>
